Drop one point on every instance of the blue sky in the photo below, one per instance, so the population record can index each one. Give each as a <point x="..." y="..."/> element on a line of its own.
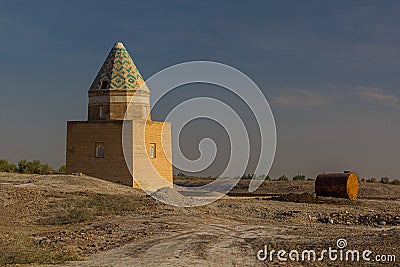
<point x="328" y="68"/>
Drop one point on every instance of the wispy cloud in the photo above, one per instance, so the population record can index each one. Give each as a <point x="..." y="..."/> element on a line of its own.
<point x="334" y="93"/>
<point x="300" y="97"/>
<point x="379" y="95"/>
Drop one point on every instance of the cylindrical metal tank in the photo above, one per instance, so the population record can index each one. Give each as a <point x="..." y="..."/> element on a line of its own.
<point x="343" y="185"/>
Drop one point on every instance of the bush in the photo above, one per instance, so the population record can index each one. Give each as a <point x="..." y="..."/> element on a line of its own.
<point x="299" y="178"/>
<point x="181" y="174"/>
<point x="395" y="182"/>
<point x="283" y="178"/>
<point x="34" y="167"/>
<point x="372" y="180"/>
<point x="385" y="180"/>
<point x="29" y="167"/>
<point x="62" y="170"/>
<point x="6" y="166"/>
<point x="263" y="177"/>
<point x="248" y="176"/>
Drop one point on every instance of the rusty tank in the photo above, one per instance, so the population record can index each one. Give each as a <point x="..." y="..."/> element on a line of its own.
<point x="340" y="185"/>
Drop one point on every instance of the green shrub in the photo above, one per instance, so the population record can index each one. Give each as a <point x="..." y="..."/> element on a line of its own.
<point x="34" y="167"/>
<point x="248" y="176"/>
<point x="283" y="178"/>
<point x="299" y="178"/>
<point x="263" y="177"/>
<point x="385" y="180"/>
<point x="266" y="178"/>
<point x="6" y="166"/>
<point x="395" y="182"/>
<point x="181" y="174"/>
<point x="62" y="170"/>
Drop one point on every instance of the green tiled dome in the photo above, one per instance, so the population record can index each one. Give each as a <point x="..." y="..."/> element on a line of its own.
<point x="118" y="73"/>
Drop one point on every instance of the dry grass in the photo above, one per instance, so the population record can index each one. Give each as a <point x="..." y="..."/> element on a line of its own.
<point x="64" y="208"/>
<point x="17" y="248"/>
<point x="80" y="207"/>
<point x="46" y="205"/>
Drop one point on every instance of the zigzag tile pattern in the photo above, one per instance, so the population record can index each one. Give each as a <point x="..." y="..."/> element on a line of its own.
<point x="118" y="73"/>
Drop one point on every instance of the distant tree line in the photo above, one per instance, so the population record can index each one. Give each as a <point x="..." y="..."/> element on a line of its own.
<point x="300" y="177"/>
<point x="383" y="180"/>
<point x="250" y="176"/>
<point x="29" y="167"/>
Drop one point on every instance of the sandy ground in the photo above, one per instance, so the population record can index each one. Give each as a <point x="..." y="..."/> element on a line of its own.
<point x="228" y="232"/>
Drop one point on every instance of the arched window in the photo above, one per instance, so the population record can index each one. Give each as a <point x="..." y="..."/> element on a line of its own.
<point x="152" y="150"/>
<point x="104" y="84"/>
<point x="99" y="151"/>
<point x="102" y="112"/>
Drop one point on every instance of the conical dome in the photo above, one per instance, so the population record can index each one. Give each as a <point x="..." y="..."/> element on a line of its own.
<point x="118" y="73"/>
<point x="117" y="86"/>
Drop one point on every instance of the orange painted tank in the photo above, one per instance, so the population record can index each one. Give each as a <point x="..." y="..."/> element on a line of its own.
<point x="341" y="185"/>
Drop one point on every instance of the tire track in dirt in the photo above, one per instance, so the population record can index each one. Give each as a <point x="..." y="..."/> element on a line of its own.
<point x="205" y="243"/>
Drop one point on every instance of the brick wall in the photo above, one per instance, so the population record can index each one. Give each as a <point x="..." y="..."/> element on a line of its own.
<point x="81" y="151"/>
<point x="82" y="138"/>
<point x="159" y="133"/>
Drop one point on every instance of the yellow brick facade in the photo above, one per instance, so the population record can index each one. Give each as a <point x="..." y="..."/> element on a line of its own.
<point x="84" y="136"/>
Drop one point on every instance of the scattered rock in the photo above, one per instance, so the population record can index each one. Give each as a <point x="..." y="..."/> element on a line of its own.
<point x="172" y="196"/>
<point x="348" y="218"/>
<point x="326" y="220"/>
